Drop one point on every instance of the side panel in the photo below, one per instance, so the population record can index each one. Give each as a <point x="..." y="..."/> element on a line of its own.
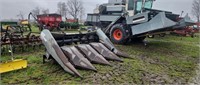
<point x="92" y="18"/>
<point x="116" y="1"/>
<point x="159" y="22"/>
<point x="95" y="19"/>
<point x="108" y="17"/>
<point x="140" y="18"/>
<point x="118" y="8"/>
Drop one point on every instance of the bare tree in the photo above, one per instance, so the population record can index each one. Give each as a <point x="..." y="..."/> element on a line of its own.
<point x="96" y="10"/>
<point x="62" y="10"/>
<point x="82" y="13"/>
<point x="21" y="15"/>
<point x="36" y="11"/>
<point x="45" y="11"/>
<point x="196" y="9"/>
<point x="75" y="8"/>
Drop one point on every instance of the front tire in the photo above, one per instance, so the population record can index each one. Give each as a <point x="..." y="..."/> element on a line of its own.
<point x="118" y="34"/>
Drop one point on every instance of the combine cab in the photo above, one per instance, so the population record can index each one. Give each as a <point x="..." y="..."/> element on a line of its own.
<point x="124" y="20"/>
<point x="89" y="48"/>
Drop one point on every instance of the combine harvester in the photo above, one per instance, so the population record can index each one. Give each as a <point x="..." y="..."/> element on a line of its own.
<point x="124" y="20"/>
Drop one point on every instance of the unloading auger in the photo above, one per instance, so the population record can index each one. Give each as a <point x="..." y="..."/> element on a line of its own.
<point x="94" y="47"/>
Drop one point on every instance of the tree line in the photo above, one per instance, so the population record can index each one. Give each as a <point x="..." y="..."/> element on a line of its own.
<point x="196" y="9"/>
<point x="73" y="8"/>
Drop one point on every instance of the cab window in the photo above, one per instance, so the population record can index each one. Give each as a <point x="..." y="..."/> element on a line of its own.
<point x="139" y="5"/>
<point x="130" y="4"/>
<point x="148" y="4"/>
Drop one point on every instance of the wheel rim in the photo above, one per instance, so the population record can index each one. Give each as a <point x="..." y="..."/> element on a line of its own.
<point x="117" y="34"/>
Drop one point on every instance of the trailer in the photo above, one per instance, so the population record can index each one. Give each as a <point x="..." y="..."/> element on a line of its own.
<point x="125" y="20"/>
<point x="69" y="24"/>
<point x="50" y="21"/>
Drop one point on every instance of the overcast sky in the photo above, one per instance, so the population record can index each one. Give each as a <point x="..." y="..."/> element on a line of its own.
<point x="10" y="8"/>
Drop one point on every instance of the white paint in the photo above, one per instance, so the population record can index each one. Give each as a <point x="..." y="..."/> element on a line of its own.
<point x="138" y="20"/>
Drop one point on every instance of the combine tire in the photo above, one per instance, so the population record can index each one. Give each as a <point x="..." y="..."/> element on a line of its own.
<point x="118" y="34"/>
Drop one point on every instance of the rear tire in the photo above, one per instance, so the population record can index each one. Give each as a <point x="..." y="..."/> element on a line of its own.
<point x="118" y="34"/>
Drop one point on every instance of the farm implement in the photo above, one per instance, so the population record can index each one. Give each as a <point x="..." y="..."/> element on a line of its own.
<point x="47" y="21"/>
<point x="15" y="36"/>
<point x="188" y="30"/>
<point x="13" y="65"/>
<point x="14" y="39"/>
<point x="94" y="47"/>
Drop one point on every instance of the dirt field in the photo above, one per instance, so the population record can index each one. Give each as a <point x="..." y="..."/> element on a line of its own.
<point x="165" y="60"/>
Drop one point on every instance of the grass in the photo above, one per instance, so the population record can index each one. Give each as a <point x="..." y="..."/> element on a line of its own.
<point x="168" y="60"/>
